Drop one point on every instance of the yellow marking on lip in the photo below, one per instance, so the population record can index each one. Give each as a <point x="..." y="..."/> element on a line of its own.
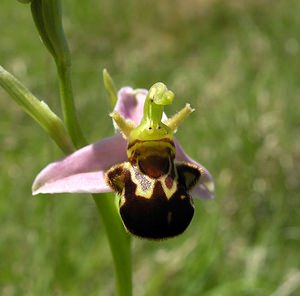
<point x="161" y="147"/>
<point x="144" y="184"/>
<point x="168" y="191"/>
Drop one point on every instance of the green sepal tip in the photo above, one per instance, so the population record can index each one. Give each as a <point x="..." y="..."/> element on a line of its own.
<point x="110" y="87"/>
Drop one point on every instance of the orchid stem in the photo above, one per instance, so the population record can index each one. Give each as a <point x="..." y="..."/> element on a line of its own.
<point x="48" y="19"/>
<point x="119" y="241"/>
<point x="67" y="104"/>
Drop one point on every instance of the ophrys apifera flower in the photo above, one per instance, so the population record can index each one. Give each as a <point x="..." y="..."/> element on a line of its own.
<point x="143" y="163"/>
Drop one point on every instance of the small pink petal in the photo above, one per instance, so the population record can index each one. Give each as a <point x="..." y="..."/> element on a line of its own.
<point x="205" y="187"/>
<point x="130" y="103"/>
<point x="75" y="170"/>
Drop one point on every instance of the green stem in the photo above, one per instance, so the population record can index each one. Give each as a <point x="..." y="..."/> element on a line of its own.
<point x="118" y="239"/>
<point x="67" y="104"/>
<point x="48" y="19"/>
<point x="119" y="242"/>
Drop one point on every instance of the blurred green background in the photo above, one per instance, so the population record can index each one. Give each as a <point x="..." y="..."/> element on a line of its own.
<point x="238" y="64"/>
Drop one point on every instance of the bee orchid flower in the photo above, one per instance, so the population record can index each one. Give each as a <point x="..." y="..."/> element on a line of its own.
<point x="142" y="162"/>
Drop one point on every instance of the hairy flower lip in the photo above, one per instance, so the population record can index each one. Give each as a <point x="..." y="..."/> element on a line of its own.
<point x="83" y="171"/>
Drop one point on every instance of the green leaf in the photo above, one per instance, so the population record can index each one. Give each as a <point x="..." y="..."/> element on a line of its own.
<point x="37" y="109"/>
